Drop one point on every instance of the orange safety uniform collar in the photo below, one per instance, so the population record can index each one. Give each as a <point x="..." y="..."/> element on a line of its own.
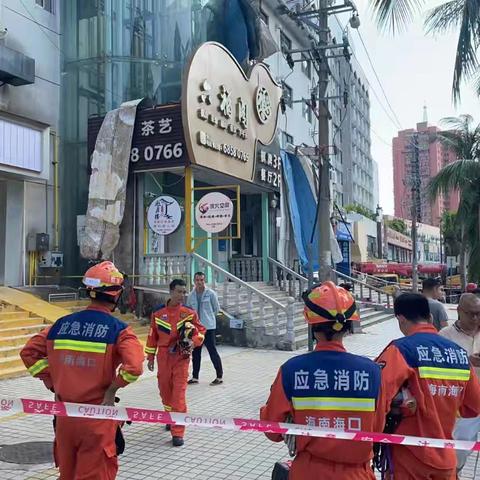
<point x="422" y="328"/>
<point x="330" y="347"/>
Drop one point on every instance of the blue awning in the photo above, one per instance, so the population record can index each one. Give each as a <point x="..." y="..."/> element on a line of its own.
<point x="302" y="206"/>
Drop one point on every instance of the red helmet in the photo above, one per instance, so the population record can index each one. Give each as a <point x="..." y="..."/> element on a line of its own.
<point x="329" y="303"/>
<point x="471" y="287"/>
<point x="103" y="281"/>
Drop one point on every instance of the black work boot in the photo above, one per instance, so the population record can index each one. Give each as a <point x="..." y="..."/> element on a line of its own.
<point x="177" y="441"/>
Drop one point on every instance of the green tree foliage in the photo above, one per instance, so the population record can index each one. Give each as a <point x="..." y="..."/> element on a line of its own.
<point x="361" y="210"/>
<point x="463" y="175"/>
<point x="398" y="225"/>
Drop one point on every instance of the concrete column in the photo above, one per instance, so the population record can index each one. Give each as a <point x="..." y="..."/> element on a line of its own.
<point x="13" y="236"/>
<point x="265" y="238"/>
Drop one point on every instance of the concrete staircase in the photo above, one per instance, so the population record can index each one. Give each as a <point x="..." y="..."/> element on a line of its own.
<point x="16" y="327"/>
<point x="266" y="329"/>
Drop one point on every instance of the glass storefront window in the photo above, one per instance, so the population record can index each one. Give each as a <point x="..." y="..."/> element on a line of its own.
<point x="114" y="51"/>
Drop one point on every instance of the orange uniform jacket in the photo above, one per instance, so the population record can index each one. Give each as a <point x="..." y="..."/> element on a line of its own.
<point x="165" y="325"/>
<point x="79" y="355"/>
<point x="438" y="374"/>
<point x="328" y="388"/>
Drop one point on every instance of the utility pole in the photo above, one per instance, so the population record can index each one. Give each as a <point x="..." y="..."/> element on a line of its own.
<point x="317" y="23"/>
<point x="323" y="220"/>
<point x="415" y="167"/>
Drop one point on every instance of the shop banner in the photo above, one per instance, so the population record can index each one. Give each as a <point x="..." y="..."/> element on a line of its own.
<point x="214" y="212"/>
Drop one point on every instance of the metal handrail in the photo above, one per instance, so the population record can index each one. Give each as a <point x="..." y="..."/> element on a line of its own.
<point x="238" y="281"/>
<point x="377" y="279"/>
<point x="365" y="285"/>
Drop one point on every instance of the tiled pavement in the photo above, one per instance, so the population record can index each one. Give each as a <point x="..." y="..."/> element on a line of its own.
<point x="208" y="454"/>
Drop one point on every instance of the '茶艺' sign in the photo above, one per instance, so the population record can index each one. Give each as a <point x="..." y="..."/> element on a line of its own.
<point x="226" y="113"/>
<point x="158" y="140"/>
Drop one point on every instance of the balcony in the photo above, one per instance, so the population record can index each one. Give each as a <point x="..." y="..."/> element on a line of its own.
<point x="16" y="68"/>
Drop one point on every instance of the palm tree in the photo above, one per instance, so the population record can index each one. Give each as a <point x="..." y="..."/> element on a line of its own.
<point x="395" y="15"/>
<point x="463" y="175"/>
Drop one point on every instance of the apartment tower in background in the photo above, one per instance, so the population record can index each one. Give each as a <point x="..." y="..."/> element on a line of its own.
<point x="432" y="157"/>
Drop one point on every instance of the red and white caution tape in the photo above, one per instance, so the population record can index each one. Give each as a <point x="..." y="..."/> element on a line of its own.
<point x="12" y="406"/>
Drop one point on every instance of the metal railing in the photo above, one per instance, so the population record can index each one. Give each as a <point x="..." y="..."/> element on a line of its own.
<point x="383" y="298"/>
<point x="287" y="279"/>
<point x="257" y="301"/>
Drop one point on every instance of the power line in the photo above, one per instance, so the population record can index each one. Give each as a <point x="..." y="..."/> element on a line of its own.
<point x="371" y="87"/>
<point x="378" y="78"/>
<point x="380" y="137"/>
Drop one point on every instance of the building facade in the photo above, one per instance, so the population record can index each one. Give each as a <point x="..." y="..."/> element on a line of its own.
<point x="360" y="170"/>
<point x="418" y="154"/>
<point x="29" y="119"/>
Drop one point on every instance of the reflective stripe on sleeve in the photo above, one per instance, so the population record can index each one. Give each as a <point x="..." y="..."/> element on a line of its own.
<point x="38" y="367"/>
<point x="150" y="350"/>
<point x="128" y="377"/>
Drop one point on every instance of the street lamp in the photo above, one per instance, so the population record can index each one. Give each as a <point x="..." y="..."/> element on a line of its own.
<point x="379" y="219"/>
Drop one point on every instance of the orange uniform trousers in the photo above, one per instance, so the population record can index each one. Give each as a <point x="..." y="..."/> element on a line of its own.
<point x="172" y="382"/>
<point x="307" y="467"/>
<point x="85" y="449"/>
<point x="407" y="467"/>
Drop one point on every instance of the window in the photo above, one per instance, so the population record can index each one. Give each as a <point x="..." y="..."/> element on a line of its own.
<point x="307" y="112"/>
<point x="48" y="5"/>
<point x="285" y="43"/>
<point x="287" y="94"/>
<point x="306" y="66"/>
<point x="286" y="139"/>
<point x="264" y="16"/>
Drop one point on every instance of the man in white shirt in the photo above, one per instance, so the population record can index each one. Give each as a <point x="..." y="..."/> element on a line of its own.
<point x="465" y="332"/>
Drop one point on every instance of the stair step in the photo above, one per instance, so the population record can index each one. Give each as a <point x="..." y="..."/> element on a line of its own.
<point x="13" y="361"/>
<point x="21" y="322"/>
<point x="13" y="315"/>
<point x="15" y="331"/>
<point x="13" y="372"/>
<point x="9" y="351"/>
<point x="14" y="341"/>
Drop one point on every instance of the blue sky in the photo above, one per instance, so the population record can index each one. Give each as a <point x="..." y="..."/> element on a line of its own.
<point x="414" y="69"/>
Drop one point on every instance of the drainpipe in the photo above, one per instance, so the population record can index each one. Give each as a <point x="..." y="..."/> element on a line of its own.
<point x="56" y="206"/>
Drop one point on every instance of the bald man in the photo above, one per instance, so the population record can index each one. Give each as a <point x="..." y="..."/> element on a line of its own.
<point x="465" y="332"/>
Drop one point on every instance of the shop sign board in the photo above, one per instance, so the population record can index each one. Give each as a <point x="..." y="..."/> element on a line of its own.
<point x="268" y="170"/>
<point x="164" y="215"/>
<point x="157" y="142"/>
<point x="214" y="212"/>
<point x="226" y="113"/>
<point x="398" y="239"/>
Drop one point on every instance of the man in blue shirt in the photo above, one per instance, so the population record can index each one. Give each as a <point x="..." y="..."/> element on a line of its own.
<point x="205" y="302"/>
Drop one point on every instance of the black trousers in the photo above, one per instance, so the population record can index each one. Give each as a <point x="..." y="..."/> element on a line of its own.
<point x="210" y="343"/>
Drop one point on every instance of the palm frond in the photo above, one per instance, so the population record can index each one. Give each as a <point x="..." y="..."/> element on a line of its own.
<point x="445" y="17"/>
<point x="466" y="62"/>
<point x="395" y="15"/>
<point x="459" y="175"/>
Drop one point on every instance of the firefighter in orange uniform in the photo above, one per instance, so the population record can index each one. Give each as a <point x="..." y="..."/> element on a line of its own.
<point x="174" y="332"/>
<point x="77" y="358"/>
<point x="439" y="377"/>
<point x="328" y="388"/>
